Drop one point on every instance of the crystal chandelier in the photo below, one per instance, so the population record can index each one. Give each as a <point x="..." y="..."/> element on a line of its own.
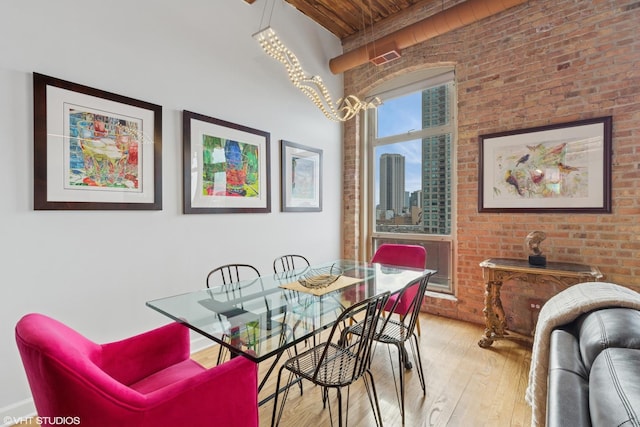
<point x="346" y="108"/>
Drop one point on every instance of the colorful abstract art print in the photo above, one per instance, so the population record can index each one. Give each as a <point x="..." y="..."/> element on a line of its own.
<point x="94" y="150"/>
<point x="230" y="168"/>
<point x="226" y="166"/>
<point x="301" y="175"/>
<point x="103" y="150"/>
<point x="564" y="167"/>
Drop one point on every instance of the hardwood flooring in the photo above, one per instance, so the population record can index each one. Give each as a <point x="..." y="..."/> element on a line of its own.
<point x="466" y="385"/>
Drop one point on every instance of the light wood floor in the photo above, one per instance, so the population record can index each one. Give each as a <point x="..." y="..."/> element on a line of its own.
<point x="467" y="386"/>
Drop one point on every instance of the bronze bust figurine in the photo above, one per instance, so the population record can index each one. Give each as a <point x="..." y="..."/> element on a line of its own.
<point x="532" y="241"/>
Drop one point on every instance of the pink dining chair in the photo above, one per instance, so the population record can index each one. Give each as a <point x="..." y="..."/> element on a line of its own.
<point x="412" y="256"/>
<point x="146" y="380"/>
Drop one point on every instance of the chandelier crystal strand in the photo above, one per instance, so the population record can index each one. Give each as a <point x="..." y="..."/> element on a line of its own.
<point x="346" y="108"/>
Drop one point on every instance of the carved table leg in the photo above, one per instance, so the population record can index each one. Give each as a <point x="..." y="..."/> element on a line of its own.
<point x="495" y="323"/>
<point x="500" y="317"/>
<point x="489" y="316"/>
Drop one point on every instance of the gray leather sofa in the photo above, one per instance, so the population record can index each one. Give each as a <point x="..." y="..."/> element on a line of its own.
<point x="594" y="370"/>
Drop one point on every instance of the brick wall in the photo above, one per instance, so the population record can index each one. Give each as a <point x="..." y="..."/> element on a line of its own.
<point x="540" y="63"/>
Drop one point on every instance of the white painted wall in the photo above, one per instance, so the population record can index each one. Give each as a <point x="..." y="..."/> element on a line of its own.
<point x="95" y="270"/>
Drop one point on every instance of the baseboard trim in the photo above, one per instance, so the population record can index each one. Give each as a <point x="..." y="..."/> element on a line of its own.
<point x="199" y="343"/>
<point x="17" y="413"/>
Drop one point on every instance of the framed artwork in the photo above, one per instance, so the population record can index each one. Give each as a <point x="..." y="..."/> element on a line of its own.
<point x="301" y="181"/>
<point x="225" y="166"/>
<point x="94" y="150"/>
<point x="556" y="168"/>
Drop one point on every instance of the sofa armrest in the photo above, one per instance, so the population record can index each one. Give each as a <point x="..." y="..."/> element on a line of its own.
<point x="568" y="382"/>
<point x="137" y="357"/>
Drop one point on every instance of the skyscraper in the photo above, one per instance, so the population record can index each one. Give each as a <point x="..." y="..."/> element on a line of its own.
<point x="436" y="163"/>
<point x="392" y="183"/>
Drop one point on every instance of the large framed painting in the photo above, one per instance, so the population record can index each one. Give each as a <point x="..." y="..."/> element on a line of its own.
<point x="301" y="180"/>
<point x="557" y="168"/>
<point x="225" y="166"/>
<point x="94" y="150"/>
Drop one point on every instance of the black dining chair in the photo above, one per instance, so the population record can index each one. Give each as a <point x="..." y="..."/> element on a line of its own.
<point x="289" y="262"/>
<point x="398" y="332"/>
<point x="231" y="273"/>
<point x="226" y="276"/>
<point x="336" y="363"/>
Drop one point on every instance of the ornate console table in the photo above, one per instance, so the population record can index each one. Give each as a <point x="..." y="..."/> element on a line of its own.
<point x="495" y="271"/>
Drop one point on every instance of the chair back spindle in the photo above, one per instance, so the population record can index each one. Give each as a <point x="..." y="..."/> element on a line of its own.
<point x="230" y="273"/>
<point x="286" y="263"/>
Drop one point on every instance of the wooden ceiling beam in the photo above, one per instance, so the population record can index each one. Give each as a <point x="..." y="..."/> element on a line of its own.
<point x="344" y="18"/>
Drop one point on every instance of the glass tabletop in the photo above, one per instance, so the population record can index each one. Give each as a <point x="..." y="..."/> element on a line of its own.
<point x="258" y="318"/>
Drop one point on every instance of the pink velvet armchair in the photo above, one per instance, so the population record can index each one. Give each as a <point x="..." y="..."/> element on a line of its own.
<point x="145" y="380"/>
<point x="412" y="256"/>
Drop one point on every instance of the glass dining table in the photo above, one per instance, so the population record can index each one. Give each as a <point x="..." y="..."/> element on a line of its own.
<point x="263" y="317"/>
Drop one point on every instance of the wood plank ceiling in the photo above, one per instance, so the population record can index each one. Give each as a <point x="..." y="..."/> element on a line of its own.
<point x="347" y="17"/>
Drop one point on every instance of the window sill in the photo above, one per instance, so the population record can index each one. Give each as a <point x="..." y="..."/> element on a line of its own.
<point x="442" y="296"/>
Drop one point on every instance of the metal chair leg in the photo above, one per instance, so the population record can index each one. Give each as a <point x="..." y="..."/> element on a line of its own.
<point x="277" y="415"/>
<point x="415" y="348"/>
<point x="339" y="393"/>
<point x="373" y="397"/>
<point x="402" y="356"/>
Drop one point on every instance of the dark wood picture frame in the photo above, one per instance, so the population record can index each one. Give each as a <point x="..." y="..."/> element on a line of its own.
<point x="559" y="168"/>
<point x="208" y="144"/>
<point x="67" y="165"/>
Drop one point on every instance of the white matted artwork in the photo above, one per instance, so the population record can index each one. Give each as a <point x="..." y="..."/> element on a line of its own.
<point x="557" y="168"/>
<point x="94" y="149"/>
<point x="301" y="178"/>
<point x="226" y="166"/>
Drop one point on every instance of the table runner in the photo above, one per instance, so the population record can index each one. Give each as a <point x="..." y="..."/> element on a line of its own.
<point x="343" y="281"/>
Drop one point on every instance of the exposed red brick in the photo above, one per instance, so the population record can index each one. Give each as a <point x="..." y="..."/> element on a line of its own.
<point x="540" y="63"/>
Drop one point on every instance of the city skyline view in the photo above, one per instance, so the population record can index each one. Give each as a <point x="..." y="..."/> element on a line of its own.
<point x="397" y="116"/>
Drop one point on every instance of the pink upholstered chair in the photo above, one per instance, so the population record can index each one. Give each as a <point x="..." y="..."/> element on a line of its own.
<point x="145" y="380"/>
<point x="402" y="256"/>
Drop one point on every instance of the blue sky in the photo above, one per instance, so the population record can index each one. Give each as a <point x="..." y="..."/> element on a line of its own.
<point x="396" y="116"/>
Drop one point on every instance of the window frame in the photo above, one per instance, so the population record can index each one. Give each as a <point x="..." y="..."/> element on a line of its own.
<point x="398" y="87"/>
